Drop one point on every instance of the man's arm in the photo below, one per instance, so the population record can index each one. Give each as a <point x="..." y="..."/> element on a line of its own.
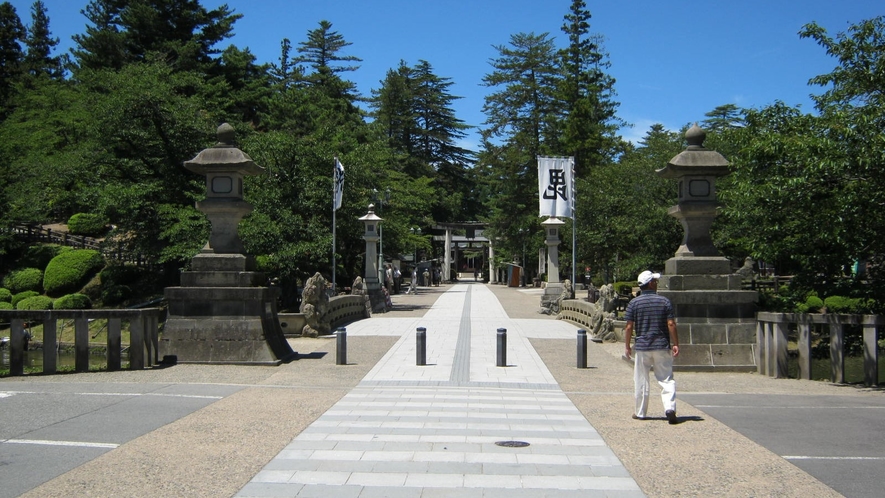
<point x="674" y="336"/>
<point x="628" y="335"/>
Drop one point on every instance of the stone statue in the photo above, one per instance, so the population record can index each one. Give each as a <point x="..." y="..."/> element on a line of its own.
<point x="359" y="289"/>
<point x="746" y="272"/>
<point x="554" y="306"/>
<point x="602" y="327"/>
<point x="314" y="302"/>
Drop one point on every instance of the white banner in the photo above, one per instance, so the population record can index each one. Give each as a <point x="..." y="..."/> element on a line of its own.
<point x="338" y="187"/>
<point x="556" y="186"/>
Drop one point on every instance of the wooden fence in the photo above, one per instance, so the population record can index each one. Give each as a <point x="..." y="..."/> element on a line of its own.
<point x="111" y="251"/>
<point x="772" y="335"/>
<point x="143" y="337"/>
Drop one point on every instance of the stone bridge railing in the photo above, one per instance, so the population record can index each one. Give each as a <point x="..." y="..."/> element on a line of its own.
<point x="143" y="337"/>
<point x="341" y="311"/>
<point x="772" y="335"/>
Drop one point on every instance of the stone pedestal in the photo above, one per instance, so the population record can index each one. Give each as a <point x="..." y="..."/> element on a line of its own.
<point x="217" y="316"/>
<point x="716" y="319"/>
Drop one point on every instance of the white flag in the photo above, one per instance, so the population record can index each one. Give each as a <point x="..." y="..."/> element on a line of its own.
<point x="556" y="186"/>
<point x="338" y="187"/>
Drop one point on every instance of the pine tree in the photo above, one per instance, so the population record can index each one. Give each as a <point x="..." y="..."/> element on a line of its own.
<point x="588" y="125"/>
<point x="179" y="32"/>
<point x="12" y="34"/>
<point x="40" y="44"/>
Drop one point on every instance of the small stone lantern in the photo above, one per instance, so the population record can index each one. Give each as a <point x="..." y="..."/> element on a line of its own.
<point x="371" y="236"/>
<point x="224" y="166"/>
<point x="696" y="169"/>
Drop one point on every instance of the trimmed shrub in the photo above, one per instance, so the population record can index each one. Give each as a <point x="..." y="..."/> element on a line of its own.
<point x="17" y="298"/>
<point x="624" y="288"/>
<point x="24" y="279"/>
<point x="88" y="224"/>
<point x="35" y="303"/>
<point x="811" y="305"/>
<point x="40" y="255"/>
<point x="5" y="295"/>
<point x="6" y="306"/>
<point x="842" y="304"/>
<point x="72" y="302"/>
<point x="71" y="270"/>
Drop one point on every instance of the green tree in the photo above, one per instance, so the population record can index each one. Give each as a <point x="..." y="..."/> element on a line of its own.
<point x="588" y="123"/>
<point x="38" y="59"/>
<point x="180" y="32"/>
<point x="12" y="35"/>
<point x="624" y="227"/>
<point x="518" y="114"/>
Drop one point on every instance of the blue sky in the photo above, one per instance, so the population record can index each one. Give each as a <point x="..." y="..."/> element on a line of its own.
<point x="673" y="61"/>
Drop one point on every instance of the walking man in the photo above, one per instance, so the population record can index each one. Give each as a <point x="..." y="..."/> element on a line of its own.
<point x="657" y="343"/>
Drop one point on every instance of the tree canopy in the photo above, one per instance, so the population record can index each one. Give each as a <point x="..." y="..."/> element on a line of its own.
<point x="104" y="130"/>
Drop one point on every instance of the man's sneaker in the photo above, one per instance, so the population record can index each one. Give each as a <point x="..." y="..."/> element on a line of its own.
<point x="637" y="417"/>
<point x="671" y="416"/>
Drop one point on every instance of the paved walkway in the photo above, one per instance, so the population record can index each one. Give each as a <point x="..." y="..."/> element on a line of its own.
<point x="382" y="426"/>
<point x="443" y="429"/>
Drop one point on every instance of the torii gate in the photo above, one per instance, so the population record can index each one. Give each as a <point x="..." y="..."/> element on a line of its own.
<point x="453" y="243"/>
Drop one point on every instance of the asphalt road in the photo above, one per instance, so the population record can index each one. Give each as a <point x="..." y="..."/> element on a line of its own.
<point x="840" y="440"/>
<point x="49" y="429"/>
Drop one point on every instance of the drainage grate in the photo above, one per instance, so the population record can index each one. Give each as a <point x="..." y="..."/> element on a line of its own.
<point x="512" y="444"/>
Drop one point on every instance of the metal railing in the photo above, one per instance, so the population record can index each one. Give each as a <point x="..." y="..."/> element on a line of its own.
<point x="772" y="336"/>
<point x="143" y="337"/>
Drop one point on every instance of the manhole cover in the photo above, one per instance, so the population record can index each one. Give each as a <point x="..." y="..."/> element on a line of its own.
<point x="512" y="444"/>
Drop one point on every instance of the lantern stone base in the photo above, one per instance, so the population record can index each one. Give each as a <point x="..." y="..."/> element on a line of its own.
<point x="716" y="318"/>
<point x="551" y="294"/>
<point x="217" y="317"/>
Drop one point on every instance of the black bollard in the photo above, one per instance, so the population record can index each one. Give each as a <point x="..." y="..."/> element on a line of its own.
<point x="582" y="348"/>
<point x="421" y="346"/>
<point x="341" y="353"/>
<point x="502" y="348"/>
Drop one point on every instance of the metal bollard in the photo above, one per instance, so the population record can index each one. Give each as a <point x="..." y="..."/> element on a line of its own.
<point x="341" y="352"/>
<point x="582" y="348"/>
<point x="502" y="348"/>
<point x="421" y="346"/>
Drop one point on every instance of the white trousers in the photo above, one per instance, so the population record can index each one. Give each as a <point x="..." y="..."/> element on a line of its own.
<point x="662" y="362"/>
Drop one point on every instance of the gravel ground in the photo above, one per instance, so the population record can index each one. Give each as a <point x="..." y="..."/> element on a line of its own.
<point x="203" y="454"/>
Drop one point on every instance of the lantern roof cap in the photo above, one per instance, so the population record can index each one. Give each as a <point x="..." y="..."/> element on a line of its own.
<point x="695" y="160"/>
<point x="224" y="156"/>
<point x="371" y="216"/>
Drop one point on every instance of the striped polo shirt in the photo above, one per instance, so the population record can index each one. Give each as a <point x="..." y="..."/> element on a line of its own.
<point x="649" y="313"/>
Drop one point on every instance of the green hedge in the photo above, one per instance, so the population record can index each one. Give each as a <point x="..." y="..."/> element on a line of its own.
<point x="6" y="306"/>
<point x="72" y="302"/>
<point x="17" y="298"/>
<point x="25" y="279"/>
<point x="71" y="270"/>
<point x="88" y="224"/>
<point x="5" y="295"/>
<point x="35" y="303"/>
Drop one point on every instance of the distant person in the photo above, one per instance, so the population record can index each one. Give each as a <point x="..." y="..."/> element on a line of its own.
<point x="657" y="343"/>
<point x="413" y="287"/>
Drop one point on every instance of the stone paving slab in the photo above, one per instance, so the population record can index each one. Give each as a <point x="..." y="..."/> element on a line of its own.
<point x="433" y="429"/>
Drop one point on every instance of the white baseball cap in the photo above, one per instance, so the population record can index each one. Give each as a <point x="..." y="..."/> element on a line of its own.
<point x="647" y="276"/>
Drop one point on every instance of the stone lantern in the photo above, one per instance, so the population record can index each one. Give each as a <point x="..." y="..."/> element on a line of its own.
<point x="716" y="317"/>
<point x="224" y="166"/>
<point x="696" y="170"/>
<point x="553" y="290"/>
<point x="371" y="235"/>
<point x="222" y="313"/>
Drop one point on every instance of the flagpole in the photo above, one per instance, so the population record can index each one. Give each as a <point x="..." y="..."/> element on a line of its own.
<point x="334" y="188"/>
<point x="574" y="225"/>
